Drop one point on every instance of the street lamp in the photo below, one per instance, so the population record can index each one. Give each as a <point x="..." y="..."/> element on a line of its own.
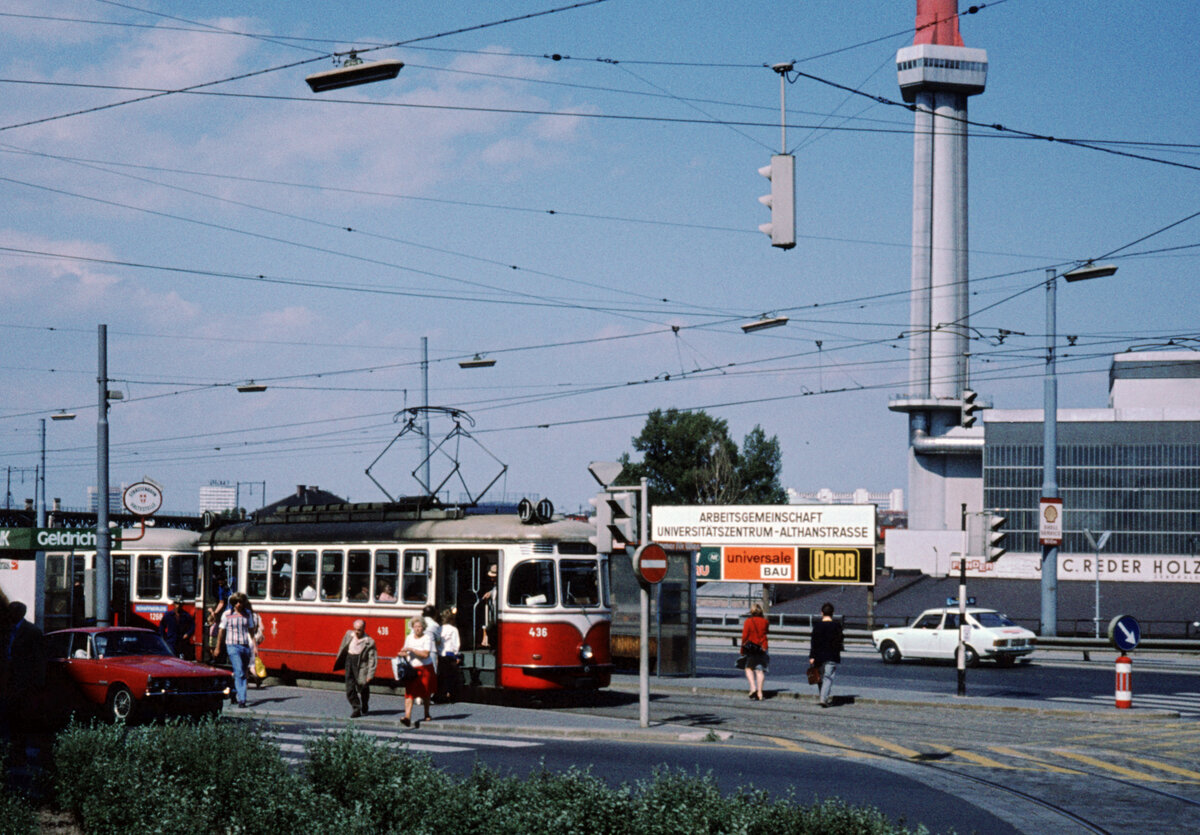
<point x="352" y="72"/>
<point x="39" y="557"/>
<point x="1050" y="435"/>
<point x="764" y="323"/>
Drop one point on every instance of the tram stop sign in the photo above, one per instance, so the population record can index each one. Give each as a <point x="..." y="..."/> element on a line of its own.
<point x="651" y="563"/>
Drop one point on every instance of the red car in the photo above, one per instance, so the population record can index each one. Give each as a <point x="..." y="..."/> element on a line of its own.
<point x="124" y="673"/>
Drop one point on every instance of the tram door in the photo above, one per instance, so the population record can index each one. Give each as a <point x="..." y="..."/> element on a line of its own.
<point x="464" y="584"/>
<point x="218" y="572"/>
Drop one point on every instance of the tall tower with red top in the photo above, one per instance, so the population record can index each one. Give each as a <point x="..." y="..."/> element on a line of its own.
<point x="937" y="74"/>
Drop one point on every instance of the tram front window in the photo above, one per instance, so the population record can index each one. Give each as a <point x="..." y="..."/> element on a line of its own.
<point x="580" y="581"/>
<point x="532" y="584"/>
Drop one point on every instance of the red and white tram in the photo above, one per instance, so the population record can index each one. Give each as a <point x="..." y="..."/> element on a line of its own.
<point x="539" y="621"/>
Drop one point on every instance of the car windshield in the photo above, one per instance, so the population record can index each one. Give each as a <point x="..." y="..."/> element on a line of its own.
<point x="993" y="619"/>
<point x="115" y="643"/>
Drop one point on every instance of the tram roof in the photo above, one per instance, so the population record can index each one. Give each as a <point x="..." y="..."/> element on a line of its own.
<point x="333" y="524"/>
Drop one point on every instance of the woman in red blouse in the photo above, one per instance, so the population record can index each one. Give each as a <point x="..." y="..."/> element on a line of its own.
<point x="754" y="648"/>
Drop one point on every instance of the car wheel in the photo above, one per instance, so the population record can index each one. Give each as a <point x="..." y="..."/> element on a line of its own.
<point x="119" y="704"/>
<point x="972" y="657"/>
<point x="890" y="653"/>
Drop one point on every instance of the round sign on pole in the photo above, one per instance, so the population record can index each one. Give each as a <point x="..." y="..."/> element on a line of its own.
<point x="142" y="498"/>
<point x="1124" y="632"/>
<point x="651" y="562"/>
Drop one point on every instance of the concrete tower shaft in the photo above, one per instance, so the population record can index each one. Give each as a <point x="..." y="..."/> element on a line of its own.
<point x="937" y="74"/>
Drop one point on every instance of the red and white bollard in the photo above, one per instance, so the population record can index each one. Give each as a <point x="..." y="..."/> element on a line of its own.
<point x="1124" y="682"/>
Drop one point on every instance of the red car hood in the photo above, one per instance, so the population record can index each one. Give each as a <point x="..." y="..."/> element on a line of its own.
<point x="161" y="665"/>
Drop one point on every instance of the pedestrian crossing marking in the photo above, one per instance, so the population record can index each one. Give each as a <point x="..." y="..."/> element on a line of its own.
<point x="1173" y="769"/>
<point x="1012" y="752"/>
<point x="1116" y="769"/>
<point x="971" y="756"/>
<point x="843" y="750"/>
<point x="890" y="746"/>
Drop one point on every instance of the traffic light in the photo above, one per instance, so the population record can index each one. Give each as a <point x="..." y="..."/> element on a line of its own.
<point x="623" y="519"/>
<point x="993" y="536"/>
<point x="602" y="538"/>
<point x="781" y="201"/>
<point x="969" y="408"/>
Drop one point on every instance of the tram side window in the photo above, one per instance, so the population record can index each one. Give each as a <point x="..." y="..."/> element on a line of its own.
<point x="149" y="577"/>
<point x="181" y="576"/>
<point x="358" y="575"/>
<point x="256" y="574"/>
<point x="416" y="576"/>
<point x="580" y="582"/>
<point x="387" y="568"/>
<point x="281" y="575"/>
<point x="331" y="575"/>
<point x="306" y="575"/>
<point x="532" y="584"/>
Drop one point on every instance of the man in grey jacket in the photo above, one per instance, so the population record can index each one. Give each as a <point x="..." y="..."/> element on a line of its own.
<point x="358" y="657"/>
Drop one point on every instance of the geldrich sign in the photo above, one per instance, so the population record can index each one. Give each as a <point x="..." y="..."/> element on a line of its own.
<point x="774" y="543"/>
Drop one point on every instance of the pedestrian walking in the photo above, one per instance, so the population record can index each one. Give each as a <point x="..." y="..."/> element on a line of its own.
<point x="418" y="650"/>
<point x="236" y="633"/>
<point x="24" y="667"/>
<point x="358" y="657"/>
<point x="177" y="628"/>
<point x="449" y="674"/>
<point x="825" y="652"/>
<point x="754" y="650"/>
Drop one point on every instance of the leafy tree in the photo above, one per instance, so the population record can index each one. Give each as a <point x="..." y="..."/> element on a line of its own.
<point x="689" y="458"/>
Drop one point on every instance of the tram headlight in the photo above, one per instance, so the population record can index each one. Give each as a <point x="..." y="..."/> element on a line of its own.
<point x="585" y="653"/>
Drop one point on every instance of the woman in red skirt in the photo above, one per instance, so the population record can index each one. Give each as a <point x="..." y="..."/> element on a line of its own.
<point x="418" y="649"/>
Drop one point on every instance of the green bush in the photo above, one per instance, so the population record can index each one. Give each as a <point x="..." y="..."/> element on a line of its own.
<point x="225" y="777"/>
<point x="16" y="815"/>
<point x="206" y="777"/>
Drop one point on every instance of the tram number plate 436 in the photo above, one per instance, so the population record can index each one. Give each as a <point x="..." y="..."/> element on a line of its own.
<point x="537" y="632"/>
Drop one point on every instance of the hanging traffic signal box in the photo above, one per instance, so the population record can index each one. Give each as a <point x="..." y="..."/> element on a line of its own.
<point x="994" y="536"/>
<point x="969" y="408"/>
<point x="602" y="538"/>
<point x="781" y="201"/>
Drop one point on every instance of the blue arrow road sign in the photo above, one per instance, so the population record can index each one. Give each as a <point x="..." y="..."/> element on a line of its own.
<point x="1124" y="632"/>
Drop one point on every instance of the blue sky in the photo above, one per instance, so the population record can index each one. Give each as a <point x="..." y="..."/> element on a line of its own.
<point x="561" y="217"/>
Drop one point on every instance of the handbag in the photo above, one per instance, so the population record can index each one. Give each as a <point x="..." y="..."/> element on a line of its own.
<point x="750" y="647"/>
<point x="260" y="669"/>
<point x="402" y="670"/>
<point x="814" y="674"/>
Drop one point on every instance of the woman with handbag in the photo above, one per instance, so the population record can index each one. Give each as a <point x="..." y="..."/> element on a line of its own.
<point x="419" y="652"/>
<point x="754" y="650"/>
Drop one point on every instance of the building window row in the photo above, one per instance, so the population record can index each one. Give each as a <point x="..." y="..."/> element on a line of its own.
<point x="941" y="63"/>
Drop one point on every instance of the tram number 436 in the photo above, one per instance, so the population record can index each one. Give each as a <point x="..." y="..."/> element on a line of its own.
<point x="537" y="632"/>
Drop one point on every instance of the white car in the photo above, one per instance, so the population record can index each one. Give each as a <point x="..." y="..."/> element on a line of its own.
<point x="934" y="634"/>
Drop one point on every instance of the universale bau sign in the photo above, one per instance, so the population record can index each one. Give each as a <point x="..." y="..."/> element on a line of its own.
<point x="774" y="543"/>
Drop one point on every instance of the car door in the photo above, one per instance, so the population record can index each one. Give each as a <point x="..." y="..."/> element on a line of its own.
<point x="921" y="638"/>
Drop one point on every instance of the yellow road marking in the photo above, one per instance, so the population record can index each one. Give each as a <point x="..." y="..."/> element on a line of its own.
<point x="1116" y="769"/>
<point x="890" y="746"/>
<point x="1012" y="752"/>
<point x="971" y="756"/>
<point x="1173" y="769"/>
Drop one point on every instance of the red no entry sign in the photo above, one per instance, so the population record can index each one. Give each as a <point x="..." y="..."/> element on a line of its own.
<point x="651" y="562"/>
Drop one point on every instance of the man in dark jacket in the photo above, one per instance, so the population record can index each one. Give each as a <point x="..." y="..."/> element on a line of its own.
<point x="25" y="663"/>
<point x="177" y="628"/>
<point x="825" y="651"/>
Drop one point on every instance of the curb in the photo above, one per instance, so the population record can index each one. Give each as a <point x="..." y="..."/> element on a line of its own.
<point x="1112" y="713"/>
